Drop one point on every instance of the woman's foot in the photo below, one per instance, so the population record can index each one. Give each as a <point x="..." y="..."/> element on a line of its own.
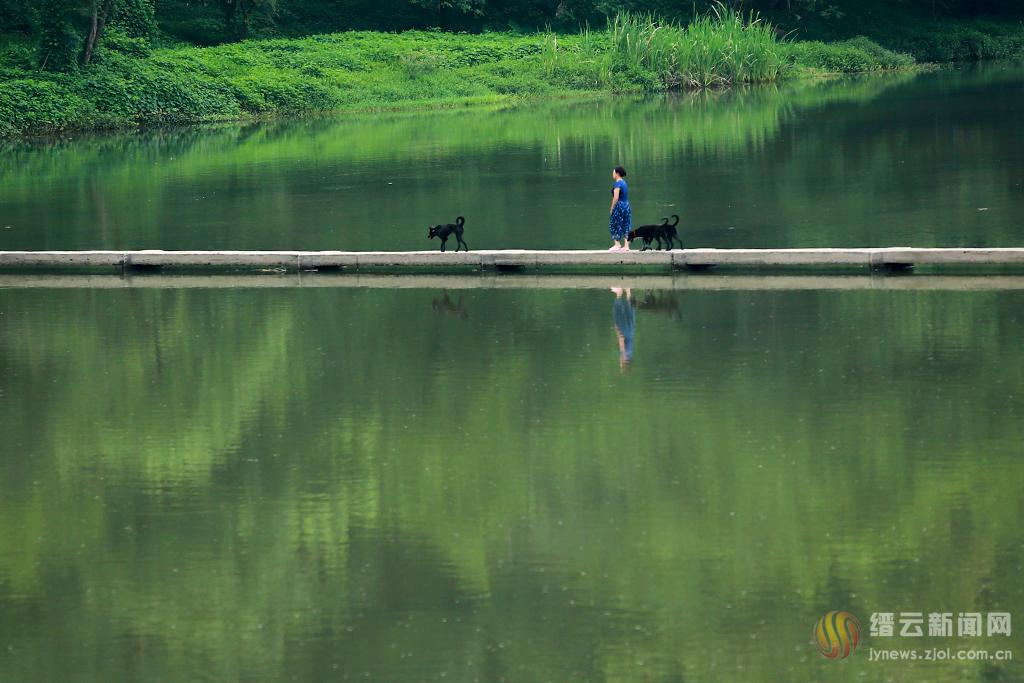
<point x="615" y="247"/>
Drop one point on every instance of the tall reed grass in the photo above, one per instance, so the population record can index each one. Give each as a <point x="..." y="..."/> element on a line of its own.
<point x="720" y="48"/>
<point x="581" y="61"/>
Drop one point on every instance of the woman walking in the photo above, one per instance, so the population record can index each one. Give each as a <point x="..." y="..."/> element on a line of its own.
<point x="621" y="220"/>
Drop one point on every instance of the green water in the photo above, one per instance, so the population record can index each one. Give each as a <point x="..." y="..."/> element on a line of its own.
<point x="453" y="483"/>
<point x="893" y="160"/>
<point x="414" y="485"/>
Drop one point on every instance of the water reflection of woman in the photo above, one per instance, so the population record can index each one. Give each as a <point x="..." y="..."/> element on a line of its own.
<point x="624" y="315"/>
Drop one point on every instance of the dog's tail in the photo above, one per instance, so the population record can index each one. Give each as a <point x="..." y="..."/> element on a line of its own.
<point x="676" y="218"/>
<point x="664" y="220"/>
<point x="460" y="221"/>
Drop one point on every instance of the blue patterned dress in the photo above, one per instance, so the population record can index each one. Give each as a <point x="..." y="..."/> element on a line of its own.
<point x="621" y="221"/>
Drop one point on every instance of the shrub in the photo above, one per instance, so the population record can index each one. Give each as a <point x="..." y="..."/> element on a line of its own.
<point x="117" y="40"/>
<point x="943" y="42"/>
<point x="629" y="77"/>
<point x="135" y="18"/>
<point x="31" y="103"/>
<point x="511" y="78"/>
<point x="587" y="75"/>
<point x="887" y="59"/>
<point x="851" y="56"/>
<point x="419" y="64"/>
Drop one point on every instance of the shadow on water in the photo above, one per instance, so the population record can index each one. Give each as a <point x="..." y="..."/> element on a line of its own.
<point x="445" y="305"/>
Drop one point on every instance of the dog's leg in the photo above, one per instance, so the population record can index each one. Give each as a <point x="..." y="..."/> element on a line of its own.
<point x="444" y="241"/>
<point x="462" y="242"/>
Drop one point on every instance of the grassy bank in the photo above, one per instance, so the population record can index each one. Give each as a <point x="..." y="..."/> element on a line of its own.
<point x="129" y="83"/>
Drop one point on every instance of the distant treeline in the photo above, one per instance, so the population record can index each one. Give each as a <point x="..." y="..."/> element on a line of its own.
<point x="68" y="31"/>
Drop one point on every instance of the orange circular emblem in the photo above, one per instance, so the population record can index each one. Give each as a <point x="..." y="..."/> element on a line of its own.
<point x="837" y="634"/>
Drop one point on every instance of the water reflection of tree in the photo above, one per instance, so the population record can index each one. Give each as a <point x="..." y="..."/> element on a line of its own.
<point x="238" y="509"/>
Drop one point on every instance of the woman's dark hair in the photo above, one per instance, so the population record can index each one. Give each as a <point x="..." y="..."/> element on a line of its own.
<point x="620" y="171"/>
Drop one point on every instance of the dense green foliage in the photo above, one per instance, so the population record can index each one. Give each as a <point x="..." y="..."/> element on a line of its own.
<point x="204" y="19"/>
<point x="61" y="26"/>
<point x="856" y="55"/>
<point x="906" y="25"/>
<point x="130" y="82"/>
<point x="96" y="63"/>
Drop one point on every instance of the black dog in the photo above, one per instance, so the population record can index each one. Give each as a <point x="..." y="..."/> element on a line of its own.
<point x="670" y="234"/>
<point x="648" y="233"/>
<point x="663" y="233"/>
<point x="444" y="231"/>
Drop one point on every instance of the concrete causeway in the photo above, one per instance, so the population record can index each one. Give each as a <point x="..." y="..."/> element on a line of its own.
<point x="552" y="261"/>
<point x="675" y="281"/>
